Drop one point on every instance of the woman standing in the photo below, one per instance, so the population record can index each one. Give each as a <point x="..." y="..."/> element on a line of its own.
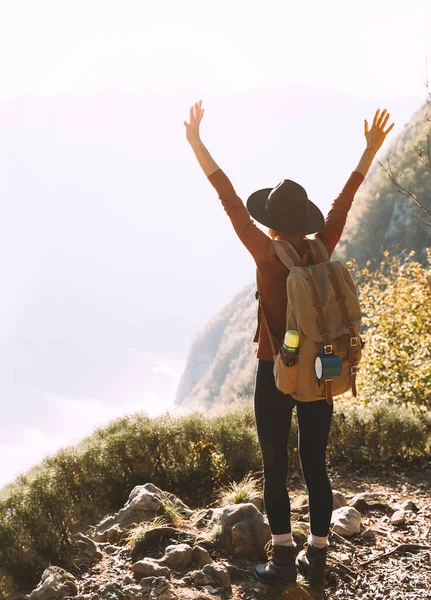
<point x="289" y="215"/>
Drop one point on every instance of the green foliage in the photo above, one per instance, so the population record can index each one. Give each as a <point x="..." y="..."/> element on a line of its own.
<point x="378" y="433"/>
<point x="396" y="302"/>
<point x="245" y="490"/>
<point x="136" y="533"/>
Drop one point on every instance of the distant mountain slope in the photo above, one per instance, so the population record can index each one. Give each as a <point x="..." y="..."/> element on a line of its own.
<point x="222" y="358"/>
<point x="381" y="217"/>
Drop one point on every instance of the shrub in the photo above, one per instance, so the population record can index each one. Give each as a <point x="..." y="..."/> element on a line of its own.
<point x="377" y="433"/>
<point x="396" y="302"/>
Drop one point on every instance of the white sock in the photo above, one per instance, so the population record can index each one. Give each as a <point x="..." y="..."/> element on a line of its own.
<point x="318" y="542"/>
<point x="285" y="539"/>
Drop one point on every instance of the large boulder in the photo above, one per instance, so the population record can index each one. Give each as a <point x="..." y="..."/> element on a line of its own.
<point x="246" y="529"/>
<point x="55" y="584"/>
<point x="201" y="556"/>
<point x="144" y="503"/>
<point x="211" y="574"/>
<point x="219" y="573"/>
<point x="148" y="567"/>
<point x="346" y="521"/>
<point x="177" y="556"/>
<point x="88" y="547"/>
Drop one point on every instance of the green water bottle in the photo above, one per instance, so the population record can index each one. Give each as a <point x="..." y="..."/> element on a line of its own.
<point x="290" y="348"/>
<point x="291" y="342"/>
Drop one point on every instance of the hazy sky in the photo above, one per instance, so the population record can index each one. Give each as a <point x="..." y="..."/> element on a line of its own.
<point x="55" y="48"/>
<point x="79" y="46"/>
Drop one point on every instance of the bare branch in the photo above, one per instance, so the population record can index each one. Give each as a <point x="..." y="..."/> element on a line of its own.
<point x="403" y="190"/>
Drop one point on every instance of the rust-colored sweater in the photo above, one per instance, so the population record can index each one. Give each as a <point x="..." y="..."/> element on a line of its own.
<point x="272" y="272"/>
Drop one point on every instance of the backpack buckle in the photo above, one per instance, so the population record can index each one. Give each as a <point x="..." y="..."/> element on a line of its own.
<point x="328" y="349"/>
<point x="354" y="341"/>
<point x="354" y="369"/>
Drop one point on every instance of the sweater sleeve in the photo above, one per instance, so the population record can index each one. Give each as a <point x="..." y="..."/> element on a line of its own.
<point x="250" y="235"/>
<point x="336" y="219"/>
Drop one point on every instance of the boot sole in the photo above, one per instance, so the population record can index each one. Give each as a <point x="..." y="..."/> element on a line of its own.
<point x="273" y="581"/>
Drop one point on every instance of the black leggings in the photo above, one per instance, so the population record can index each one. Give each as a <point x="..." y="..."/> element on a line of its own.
<point x="273" y="411"/>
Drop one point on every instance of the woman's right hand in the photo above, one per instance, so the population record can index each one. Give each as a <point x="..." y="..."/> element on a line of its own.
<point x="377" y="134"/>
<point x="192" y="128"/>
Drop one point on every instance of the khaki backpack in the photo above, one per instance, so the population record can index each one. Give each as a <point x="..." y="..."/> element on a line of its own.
<point x="323" y="306"/>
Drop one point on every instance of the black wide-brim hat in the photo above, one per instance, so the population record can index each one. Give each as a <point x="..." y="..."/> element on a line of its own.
<point x="286" y="208"/>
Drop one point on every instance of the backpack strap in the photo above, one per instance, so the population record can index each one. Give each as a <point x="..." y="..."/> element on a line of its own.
<point x="318" y="249"/>
<point x="286" y="253"/>
<point x="265" y="322"/>
<point x="324" y="332"/>
<point x="354" y="340"/>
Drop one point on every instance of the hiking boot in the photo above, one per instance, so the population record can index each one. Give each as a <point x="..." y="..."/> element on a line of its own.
<point x="312" y="563"/>
<point x="280" y="567"/>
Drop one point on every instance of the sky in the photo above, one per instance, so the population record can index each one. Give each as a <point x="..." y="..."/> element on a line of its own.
<point x="54" y="53"/>
<point x="77" y="47"/>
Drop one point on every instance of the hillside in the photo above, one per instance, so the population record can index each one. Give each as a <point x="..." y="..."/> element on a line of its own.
<point x="222" y="358"/>
<point x="381" y="217"/>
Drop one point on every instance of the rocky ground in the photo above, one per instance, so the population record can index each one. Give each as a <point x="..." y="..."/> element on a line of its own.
<point x="380" y="546"/>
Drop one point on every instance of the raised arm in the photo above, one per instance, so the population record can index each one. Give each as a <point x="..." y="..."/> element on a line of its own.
<point x="336" y="219"/>
<point x="250" y="235"/>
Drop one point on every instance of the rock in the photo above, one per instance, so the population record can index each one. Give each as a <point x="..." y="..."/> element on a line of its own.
<point x="409" y="505"/>
<point x="109" y="549"/>
<point x="177" y="556"/>
<point x="219" y="574"/>
<point x="201" y="518"/>
<point x="398" y="517"/>
<point x="210" y="590"/>
<point x="145" y="501"/>
<point x="101" y="530"/>
<point x="361" y="500"/>
<point x="368" y="534"/>
<point x="201" y="556"/>
<point x="110" y="592"/>
<point x="346" y="521"/>
<point x="236" y="572"/>
<point x="55" y="583"/>
<point x="131" y="592"/>
<point x="128" y="580"/>
<point x="114" y="534"/>
<point x="150" y="588"/>
<point x="246" y="529"/>
<point x="258" y="502"/>
<point x="338" y="500"/>
<point x="202" y="578"/>
<point x="150" y="568"/>
<point x="152" y="537"/>
<point x="157" y="588"/>
<point x="88" y="547"/>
